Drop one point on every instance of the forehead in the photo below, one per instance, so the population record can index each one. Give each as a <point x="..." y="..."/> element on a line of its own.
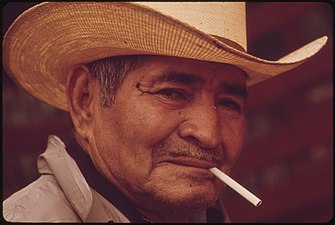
<point x="166" y="69"/>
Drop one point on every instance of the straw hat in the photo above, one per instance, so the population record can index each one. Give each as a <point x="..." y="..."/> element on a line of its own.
<point x="47" y="39"/>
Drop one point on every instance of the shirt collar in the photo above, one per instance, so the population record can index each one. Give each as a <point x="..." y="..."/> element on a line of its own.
<point x="99" y="183"/>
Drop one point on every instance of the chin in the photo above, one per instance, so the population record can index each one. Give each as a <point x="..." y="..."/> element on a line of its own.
<point x="180" y="190"/>
<point x="193" y="203"/>
<point x="189" y="197"/>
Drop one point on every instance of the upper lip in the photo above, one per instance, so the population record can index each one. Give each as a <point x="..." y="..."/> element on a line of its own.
<point x="193" y="162"/>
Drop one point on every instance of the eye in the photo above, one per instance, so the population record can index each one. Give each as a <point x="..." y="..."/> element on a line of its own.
<point x="172" y="94"/>
<point x="230" y="105"/>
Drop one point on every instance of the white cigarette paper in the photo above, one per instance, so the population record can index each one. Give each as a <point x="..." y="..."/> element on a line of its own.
<point x="236" y="187"/>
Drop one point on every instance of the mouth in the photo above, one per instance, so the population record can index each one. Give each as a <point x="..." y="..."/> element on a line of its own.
<point x="191" y="162"/>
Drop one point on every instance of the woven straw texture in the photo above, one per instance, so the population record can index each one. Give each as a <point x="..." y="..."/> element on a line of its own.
<point x="47" y="40"/>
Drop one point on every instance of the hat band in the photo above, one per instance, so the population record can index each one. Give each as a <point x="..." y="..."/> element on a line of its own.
<point x="230" y="43"/>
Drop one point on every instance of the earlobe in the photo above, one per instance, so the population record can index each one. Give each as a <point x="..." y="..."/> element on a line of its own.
<point x="80" y="95"/>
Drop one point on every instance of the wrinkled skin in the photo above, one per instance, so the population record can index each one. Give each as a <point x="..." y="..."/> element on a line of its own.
<point x="172" y="119"/>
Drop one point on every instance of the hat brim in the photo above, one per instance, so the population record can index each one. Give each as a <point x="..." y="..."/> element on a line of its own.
<point x="48" y="39"/>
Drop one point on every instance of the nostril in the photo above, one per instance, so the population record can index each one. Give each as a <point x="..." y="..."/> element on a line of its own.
<point x="192" y="140"/>
<point x="203" y="143"/>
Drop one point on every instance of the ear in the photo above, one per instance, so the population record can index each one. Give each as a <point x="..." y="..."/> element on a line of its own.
<point x="80" y="93"/>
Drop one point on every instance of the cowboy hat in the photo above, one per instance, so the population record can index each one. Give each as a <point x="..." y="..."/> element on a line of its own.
<point x="45" y="41"/>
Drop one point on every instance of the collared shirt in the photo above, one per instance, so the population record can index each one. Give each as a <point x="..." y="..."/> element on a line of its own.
<point x="70" y="189"/>
<point x="99" y="183"/>
<point x="60" y="194"/>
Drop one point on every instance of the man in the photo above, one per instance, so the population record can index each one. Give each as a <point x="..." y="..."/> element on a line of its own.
<point x="156" y="93"/>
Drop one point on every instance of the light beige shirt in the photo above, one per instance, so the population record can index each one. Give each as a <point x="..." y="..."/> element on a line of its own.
<point x="61" y="194"/>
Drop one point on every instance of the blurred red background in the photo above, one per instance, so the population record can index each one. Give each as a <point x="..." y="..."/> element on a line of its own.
<point x="288" y="155"/>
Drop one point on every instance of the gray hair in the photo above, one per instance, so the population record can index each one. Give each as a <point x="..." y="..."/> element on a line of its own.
<point x="111" y="72"/>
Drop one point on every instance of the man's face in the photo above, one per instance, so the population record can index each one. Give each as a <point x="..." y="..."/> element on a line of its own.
<point x="171" y="121"/>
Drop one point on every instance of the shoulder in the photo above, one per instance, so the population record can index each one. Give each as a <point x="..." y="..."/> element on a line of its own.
<point x="41" y="201"/>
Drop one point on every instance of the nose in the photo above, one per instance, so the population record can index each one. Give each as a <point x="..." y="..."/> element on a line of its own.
<point x="201" y="125"/>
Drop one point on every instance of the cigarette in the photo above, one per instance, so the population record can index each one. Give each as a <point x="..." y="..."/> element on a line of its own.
<point x="236" y="187"/>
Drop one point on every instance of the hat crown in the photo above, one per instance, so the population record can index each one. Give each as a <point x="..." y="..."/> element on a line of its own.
<point x="223" y="19"/>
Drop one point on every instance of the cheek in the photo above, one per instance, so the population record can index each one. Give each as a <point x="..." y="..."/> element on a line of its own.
<point x="233" y="136"/>
<point x="129" y="131"/>
<point x="150" y="125"/>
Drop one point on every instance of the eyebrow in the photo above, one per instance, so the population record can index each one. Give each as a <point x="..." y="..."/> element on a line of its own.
<point x="178" y="77"/>
<point x="189" y="79"/>
<point x="233" y="89"/>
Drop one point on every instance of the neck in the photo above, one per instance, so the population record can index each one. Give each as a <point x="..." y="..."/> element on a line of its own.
<point x="175" y="216"/>
<point x="82" y="142"/>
